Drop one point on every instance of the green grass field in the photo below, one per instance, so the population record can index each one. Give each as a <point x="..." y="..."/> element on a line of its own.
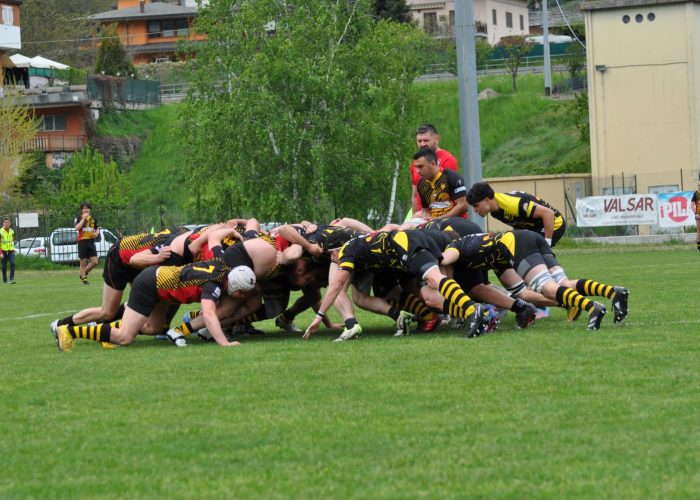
<point x="554" y="411"/>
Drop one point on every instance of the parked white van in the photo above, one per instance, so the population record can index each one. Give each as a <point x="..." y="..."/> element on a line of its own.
<point x="63" y="244"/>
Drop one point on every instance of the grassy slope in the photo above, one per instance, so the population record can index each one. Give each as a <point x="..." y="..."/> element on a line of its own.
<point x="157" y="174"/>
<point x="521" y="133"/>
<point x="551" y="412"/>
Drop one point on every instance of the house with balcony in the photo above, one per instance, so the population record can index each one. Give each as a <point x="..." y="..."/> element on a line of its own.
<point x="10" y="34"/>
<point x="63" y="115"/>
<point x="493" y="19"/>
<point x="149" y="29"/>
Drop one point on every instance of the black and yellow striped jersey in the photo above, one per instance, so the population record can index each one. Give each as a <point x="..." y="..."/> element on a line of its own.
<point x="439" y="195"/>
<point x="192" y="282"/>
<point x="516" y="209"/>
<point x="130" y="245"/>
<point x="485" y="251"/>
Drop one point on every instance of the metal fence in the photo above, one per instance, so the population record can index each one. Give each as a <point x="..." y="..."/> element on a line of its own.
<point x="55" y="229"/>
<point x="126" y="90"/>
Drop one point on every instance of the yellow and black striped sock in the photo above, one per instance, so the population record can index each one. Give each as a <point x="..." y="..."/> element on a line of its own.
<point x="457" y="303"/>
<point x="568" y="297"/>
<point x="99" y="333"/>
<point x="590" y="287"/>
<point x="413" y="304"/>
<point x="194" y="313"/>
<point x="185" y="328"/>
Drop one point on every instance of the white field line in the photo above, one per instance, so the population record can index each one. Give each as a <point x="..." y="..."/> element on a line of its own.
<point x="31" y="316"/>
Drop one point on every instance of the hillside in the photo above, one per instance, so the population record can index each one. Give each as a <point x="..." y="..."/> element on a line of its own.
<point x="521" y="133"/>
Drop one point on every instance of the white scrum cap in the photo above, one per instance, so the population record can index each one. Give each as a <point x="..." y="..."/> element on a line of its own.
<point x="241" y="278"/>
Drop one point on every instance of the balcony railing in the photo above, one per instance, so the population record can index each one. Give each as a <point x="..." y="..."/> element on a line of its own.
<point x="57" y="143"/>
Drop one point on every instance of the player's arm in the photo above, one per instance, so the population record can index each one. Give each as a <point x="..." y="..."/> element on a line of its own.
<point x="546" y="215"/>
<point x="292" y="235"/>
<point x="340" y="282"/>
<point x="80" y="223"/>
<point x="211" y="321"/>
<point x="449" y="256"/>
<point x="352" y="224"/>
<point x="290" y="254"/>
<point x="456" y="211"/>
<point x="147" y="257"/>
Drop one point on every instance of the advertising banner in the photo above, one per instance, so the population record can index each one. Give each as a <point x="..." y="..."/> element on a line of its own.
<point x="675" y="209"/>
<point x="617" y="210"/>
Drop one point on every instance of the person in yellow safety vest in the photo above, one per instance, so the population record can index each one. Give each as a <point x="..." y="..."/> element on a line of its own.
<point x="7" y="245"/>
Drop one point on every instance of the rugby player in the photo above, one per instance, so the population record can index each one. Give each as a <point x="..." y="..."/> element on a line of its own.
<point x="155" y="288"/>
<point x="442" y="192"/>
<point x="125" y="260"/>
<point x="409" y="251"/>
<point x="529" y="254"/>
<point x="695" y="203"/>
<point x="519" y="210"/>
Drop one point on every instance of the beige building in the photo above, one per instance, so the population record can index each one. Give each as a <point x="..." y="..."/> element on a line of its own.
<point x="493" y="19"/>
<point x="644" y="87"/>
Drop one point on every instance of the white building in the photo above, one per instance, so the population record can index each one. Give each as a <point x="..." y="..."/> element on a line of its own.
<point x="493" y="19"/>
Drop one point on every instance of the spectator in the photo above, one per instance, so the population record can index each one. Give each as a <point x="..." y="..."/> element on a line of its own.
<point x="7" y="245"/>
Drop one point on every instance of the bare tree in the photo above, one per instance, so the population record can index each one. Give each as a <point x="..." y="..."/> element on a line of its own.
<point x="516" y="49"/>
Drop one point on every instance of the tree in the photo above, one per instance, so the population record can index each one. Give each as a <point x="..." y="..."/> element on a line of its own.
<point x="516" y="49"/>
<point x="86" y="175"/>
<point x="307" y="111"/>
<point x="18" y="128"/>
<point x="394" y="10"/>
<point x="111" y="58"/>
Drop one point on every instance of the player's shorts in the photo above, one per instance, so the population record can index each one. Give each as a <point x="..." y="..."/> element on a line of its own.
<point x="237" y="255"/>
<point x="422" y="254"/>
<point x="86" y="249"/>
<point x="530" y="251"/>
<point x="469" y="278"/>
<point x="115" y="274"/>
<point x="144" y="293"/>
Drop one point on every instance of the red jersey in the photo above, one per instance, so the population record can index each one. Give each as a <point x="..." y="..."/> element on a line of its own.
<point x="193" y="282"/>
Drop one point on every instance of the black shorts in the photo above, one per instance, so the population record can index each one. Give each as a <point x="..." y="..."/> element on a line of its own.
<point x="115" y="273"/>
<point x="423" y="253"/>
<point x="86" y="249"/>
<point x="144" y="294"/>
<point x="469" y="278"/>
<point x="237" y="255"/>
<point x="531" y="250"/>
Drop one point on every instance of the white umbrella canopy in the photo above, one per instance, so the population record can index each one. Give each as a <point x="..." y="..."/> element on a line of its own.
<point x="21" y="61"/>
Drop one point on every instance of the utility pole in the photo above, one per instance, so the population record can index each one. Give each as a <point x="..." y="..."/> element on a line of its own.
<point x="545" y="41"/>
<point x="469" y="134"/>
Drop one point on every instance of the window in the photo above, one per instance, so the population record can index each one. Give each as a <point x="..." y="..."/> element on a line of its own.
<point x="430" y="22"/>
<point x="522" y="23"/>
<point x="8" y="17"/>
<point x="509" y="20"/>
<point x="168" y="28"/>
<point x="493" y="17"/>
<point x="52" y="123"/>
<point x="452" y="18"/>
